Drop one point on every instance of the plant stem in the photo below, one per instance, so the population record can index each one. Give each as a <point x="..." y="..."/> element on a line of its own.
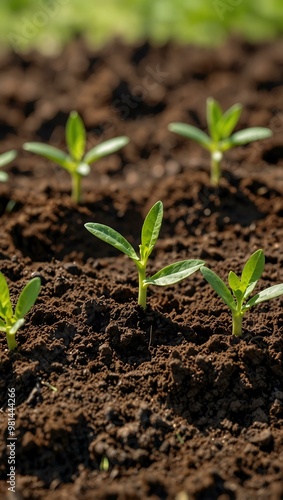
<point x="237" y="319"/>
<point x="76" y="187"/>
<point x="142" y="288"/>
<point x="215" y="172"/>
<point x="11" y="340"/>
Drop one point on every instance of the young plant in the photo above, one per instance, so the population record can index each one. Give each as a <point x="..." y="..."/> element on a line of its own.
<point x="220" y="127"/>
<point x="11" y="321"/>
<point x="76" y="162"/>
<point x="150" y="231"/>
<point x="241" y="288"/>
<point x="6" y="158"/>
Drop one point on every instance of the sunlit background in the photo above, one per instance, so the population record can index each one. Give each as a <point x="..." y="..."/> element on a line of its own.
<point x="46" y="24"/>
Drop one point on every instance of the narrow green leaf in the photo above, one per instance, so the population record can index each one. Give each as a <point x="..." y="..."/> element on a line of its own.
<point x="253" y="268"/>
<point x="2" y="325"/>
<point x="16" y="326"/>
<point x="234" y="282"/>
<point x="249" y="135"/>
<point x="191" y="132"/>
<point x="229" y="120"/>
<point x="239" y="296"/>
<point x="219" y="287"/>
<point x="112" y="237"/>
<point x="6" y="310"/>
<point x="250" y="289"/>
<point x="27" y="298"/>
<point x="151" y="228"/>
<point x="213" y="116"/>
<point x="268" y="294"/>
<point x="75" y="136"/>
<point x="105" y="148"/>
<point x="174" y="273"/>
<point x="51" y="153"/>
<point x="7" y="157"/>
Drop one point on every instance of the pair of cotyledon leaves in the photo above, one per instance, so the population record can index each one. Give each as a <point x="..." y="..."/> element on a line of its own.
<point x="150" y="231"/>
<point x="76" y="161"/>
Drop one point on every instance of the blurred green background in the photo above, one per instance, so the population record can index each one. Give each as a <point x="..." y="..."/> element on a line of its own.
<point x="49" y="23"/>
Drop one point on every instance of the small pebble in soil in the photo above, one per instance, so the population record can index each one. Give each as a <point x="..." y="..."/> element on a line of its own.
<point x="105" y="354"/>
<point x="263" y="439"/>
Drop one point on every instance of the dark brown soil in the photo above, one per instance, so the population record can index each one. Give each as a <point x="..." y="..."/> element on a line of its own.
<point x="180" y="408"/>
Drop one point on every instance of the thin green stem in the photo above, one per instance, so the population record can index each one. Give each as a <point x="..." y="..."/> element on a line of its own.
<point x="76" y="187"/>
<point x="11" y="340"/>
<point x="237" y="319"/>
<point x="142" y="288"/>
<point x="215" y="172"/>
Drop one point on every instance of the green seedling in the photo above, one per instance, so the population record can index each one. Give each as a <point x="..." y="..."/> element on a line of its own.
<point x="150" y="231"/>
<point x="220" y="127"/>
<point x="11" y="321"/>
<point x="241" y="289"/>
<point x="104" y="464"/>
<point x="6" y="158"/>
<point x="76" y="162"/>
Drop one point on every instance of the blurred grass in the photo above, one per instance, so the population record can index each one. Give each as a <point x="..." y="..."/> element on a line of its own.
<point x="49" y="23"/>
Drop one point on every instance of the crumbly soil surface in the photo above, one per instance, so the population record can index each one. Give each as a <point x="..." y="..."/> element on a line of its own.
<point x="113" y="402"/>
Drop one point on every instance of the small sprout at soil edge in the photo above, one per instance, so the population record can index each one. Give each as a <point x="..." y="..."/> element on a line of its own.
<point x="51" y="387"/>
<point x="242" y="287"/>
<point x="104" y="464"/>
<point x="6" y="158"/>
<point x="220" y="127"/>
<point x="77" y="163"/>
<point x="11" y="321"/>
<point x="150" y="231"/>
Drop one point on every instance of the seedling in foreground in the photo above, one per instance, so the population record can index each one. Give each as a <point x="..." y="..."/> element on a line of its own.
<point x="11" y="321"/>
<point x="220" y="127"/>
<point x="77" y="163"/>
<point x="241" y="288"/>
<point x="6" y="158"/>
<point x="150" y="231"/>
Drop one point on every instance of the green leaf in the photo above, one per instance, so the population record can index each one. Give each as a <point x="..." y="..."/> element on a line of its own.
<point x="250" y="289"/>
<point x="105" y="148"/>
<point x="213" y="116"/>
<point x="234" y="282"/>
<point x="112" y="237"/>
<point x="219" y="287"/>
<point x="239" y="296"/>
<point x="27" y="298"/>
<point x="253" y="268"/>
<point x="16" y="326"/>
<point x="229" y="120"/>
<point x="75" y="136"/>
<point x="191" y="132"/>
<point x="268" y="294"/>
<point x="174" y="272"/>
<point x="151" y="228"/>
<point x="3" y="327"/>
<point x="249" y="135"/>
<point x="51" y="153"/>
<point x="7" y="157"/>
<point x="6" y="310"/>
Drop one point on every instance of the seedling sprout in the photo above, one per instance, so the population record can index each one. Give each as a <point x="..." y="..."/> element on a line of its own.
<point x="76" y="162"/>
<point x="11" y="321"/>
<point x="150" y="231"/>
<point x="241" y="288"/>
<point x="220" y="127"/>
<point x="6" y="158"/>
